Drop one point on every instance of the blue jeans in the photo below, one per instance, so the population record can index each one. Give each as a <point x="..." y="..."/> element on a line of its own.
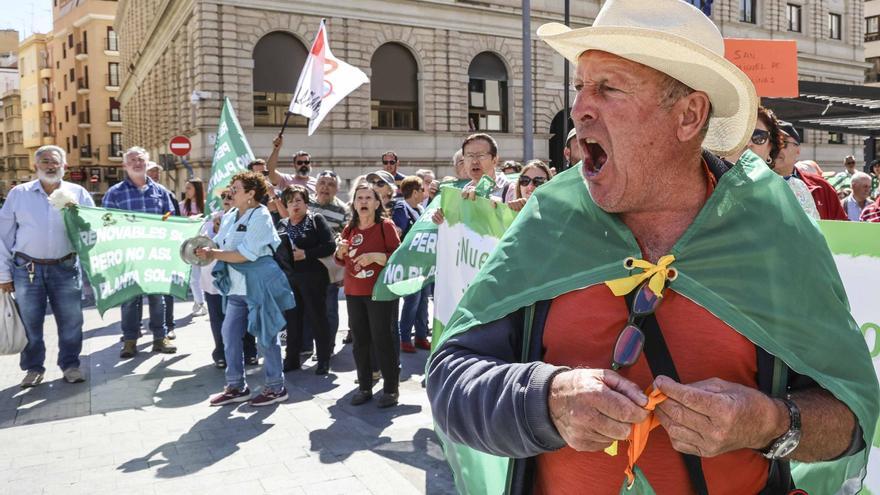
<point x="234" y="327"/>
<point x="133" y="311"/>
<point x="415" y="314"/>
<point x="61" y="285"/>
<point x="332" y="319"/>
<point x="215" y="315"/>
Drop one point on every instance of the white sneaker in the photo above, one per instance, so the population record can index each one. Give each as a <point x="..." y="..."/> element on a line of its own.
<point x="199" y="310"/>
<point x="73" y="375"/>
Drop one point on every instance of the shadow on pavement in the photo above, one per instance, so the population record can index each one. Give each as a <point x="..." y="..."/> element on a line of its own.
<point x="210" y="440"/>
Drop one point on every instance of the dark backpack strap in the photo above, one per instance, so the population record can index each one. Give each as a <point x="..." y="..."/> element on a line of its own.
<point x="504" y="191"/>
<point x="772" y="380"/>
<point x="660" y="361"/>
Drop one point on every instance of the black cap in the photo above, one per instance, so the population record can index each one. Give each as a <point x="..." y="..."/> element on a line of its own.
<point x="789" y="129"/>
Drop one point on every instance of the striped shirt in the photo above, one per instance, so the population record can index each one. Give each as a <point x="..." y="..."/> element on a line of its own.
<point x="871" y="213"/>
<point x="151" y="198"/>
<point x="335" y="212"/>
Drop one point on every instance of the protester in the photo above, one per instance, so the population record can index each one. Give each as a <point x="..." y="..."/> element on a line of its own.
<point x="534" y="174"/>
<point x="767" y="140"/>
<point x="367" y="242"/>
<point x="38" y="264"/>
<point x="875" y="179"/>
<point x="843" y="179"/>
<point x="383" y="183"/>
<point x="194" y="205"/>
<point x="459" y="165"/>
<point x="572" y="151"/>
<point x="511" y="167"/>
<point x="251" y="282"/>
<point x="214" y="300"/>
<point x="305" y="239"/>
<point x="140" y="193"/>
<point x="428" y="180"/>
<point x="406" y="212"/>
<point x="859" y="198"/>
<point x="551" y="402"/>
<point x="302" y="163"/>
<point x="783" y="165"/>
<point x="390" y="162"/>
<point x="871" y="213"/>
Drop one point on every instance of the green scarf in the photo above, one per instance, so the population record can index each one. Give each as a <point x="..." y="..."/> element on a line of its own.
<point x="751" y="257"/>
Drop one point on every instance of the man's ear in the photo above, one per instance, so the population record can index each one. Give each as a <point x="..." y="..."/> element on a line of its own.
<point x="693" y="115"/>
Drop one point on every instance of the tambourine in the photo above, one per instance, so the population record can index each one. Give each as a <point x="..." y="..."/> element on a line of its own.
<point x="189" y="247"/>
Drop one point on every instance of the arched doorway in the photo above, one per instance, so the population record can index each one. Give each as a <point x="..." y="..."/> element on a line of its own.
<point x="557" y="141"/>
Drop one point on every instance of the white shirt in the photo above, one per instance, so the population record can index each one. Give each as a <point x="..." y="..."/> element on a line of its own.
<point x="31" y="226"/>
<point x="252" y="235"/>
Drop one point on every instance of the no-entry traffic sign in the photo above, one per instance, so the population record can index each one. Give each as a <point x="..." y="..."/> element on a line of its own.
<point x="180" y="145"/>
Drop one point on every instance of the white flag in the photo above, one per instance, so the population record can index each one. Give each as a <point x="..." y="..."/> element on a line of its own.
<point x="325" y="81"/>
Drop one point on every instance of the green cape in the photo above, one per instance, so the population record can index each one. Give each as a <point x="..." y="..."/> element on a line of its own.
<point x="751" y="257"/>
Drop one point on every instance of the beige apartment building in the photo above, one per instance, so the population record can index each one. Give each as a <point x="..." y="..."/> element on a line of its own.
<point x="14" y="160"/>
<point x="37" y="96"/>
<point x="438" y="71"/>
<point x="84" y="63"/>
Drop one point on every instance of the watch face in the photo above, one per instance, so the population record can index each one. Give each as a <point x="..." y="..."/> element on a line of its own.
<point x="787" y="446"/>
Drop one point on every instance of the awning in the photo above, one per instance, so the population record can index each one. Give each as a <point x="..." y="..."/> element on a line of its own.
<point x="851" y="109"/>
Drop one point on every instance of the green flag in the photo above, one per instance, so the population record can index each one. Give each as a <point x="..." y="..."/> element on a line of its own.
<point x="751" y="257"/>
<point x="232" y="153"/>
<point x="125" y="254"/>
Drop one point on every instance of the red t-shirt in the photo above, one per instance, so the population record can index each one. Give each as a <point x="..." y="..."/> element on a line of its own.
<point x="581" y="329"/>
<point x="380" y="238"/>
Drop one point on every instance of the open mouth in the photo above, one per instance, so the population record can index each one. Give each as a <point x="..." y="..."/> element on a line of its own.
<point x="364" y="208"/>
<point x="594" y="157"/>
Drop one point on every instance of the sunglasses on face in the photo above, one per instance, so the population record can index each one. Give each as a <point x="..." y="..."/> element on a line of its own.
<point x="303" y="162"/>
<point x="631" y="339"/>
<point x="786" y="144"/>
<point x="389" y="162"/>
<point x="327" y="173"/>
<point x="537" y="181"/>
<point x="760" y="136"/>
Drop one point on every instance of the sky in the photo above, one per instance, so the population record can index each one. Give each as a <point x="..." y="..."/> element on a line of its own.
<point x="27" y="16"/>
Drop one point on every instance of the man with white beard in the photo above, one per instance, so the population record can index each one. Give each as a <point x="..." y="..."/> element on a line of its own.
<point x="38" y="263"/>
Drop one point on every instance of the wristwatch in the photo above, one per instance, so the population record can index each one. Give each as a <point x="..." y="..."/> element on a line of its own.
<point x="788" y="442"/>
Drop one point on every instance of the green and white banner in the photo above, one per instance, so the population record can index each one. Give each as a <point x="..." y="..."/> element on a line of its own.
<point x="232" y="153"/>
<point x="856" y="249"/>
<point x="413" y="265"/>
<point x="126" y="254"/>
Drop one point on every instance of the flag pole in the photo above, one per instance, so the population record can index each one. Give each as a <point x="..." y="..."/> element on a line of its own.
<point x="287" y="115"/>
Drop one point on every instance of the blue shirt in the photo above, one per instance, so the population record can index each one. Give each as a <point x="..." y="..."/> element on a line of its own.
<point x="152" y="198"/>
<point x="30" y="225"/>
<point x="253" y="235"/>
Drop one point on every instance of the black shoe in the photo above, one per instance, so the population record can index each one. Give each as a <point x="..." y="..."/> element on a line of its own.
<point x="252" y="361"/>
<point x="291" y="365"/>
<point x="323" y="368"/>
<point x="361" y="397"/>
<point x="388" y="400"/>
<point x="348" y="338"/>
<point x="220" y="364"/>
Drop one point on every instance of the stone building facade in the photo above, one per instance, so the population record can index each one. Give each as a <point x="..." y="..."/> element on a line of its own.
<point x="181" y="57"/>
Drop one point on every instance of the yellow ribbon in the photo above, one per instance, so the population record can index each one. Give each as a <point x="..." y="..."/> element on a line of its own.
<point x="657" y="273"/>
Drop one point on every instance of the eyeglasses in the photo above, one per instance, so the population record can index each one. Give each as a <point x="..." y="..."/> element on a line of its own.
<point x="526" y="180"/>
<point x="379" y="183"/>
<point x="226" y="197"/>
<point x="389" y="162"/>
<point x="327" y="173"/>
<point x="478" y="156"/>
<point x="787" y="143"/>
<point x="760" y="136"/>
<point x="631" y="340"/>
<point x="303" y="162"/>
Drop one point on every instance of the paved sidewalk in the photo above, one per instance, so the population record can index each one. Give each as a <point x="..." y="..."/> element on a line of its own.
<point x="143" y="425"/>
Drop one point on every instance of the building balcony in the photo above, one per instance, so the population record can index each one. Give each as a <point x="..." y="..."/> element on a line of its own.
<point x="47" y="106"/>
<point x="114" y="118"/>
<point x="82" y="86"/>
<point x="111" y="46"/>
<point x="115" y="153"/>
<point x="84" y="121"/>
<point x="47" y="140"/>
<point x="45" y="73"/>
<point x="82" y="51"/>
<point x="112" y="82"/>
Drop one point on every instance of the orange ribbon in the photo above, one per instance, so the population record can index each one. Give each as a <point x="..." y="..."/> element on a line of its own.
<point x="638" y="436"/>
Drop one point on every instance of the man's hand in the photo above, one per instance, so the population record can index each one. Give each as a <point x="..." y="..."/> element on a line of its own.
<point x="516" y="204"/>
<point x="469" y="192"/>
<point x="592" y="408"/>
<point x="278" y="141"/>
<point x="438" y="217"/>
<point x="712" y="417"/>
<point x="7" y="286"/>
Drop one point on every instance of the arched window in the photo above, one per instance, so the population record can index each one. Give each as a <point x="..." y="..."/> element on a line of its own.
<point x="487" y="94"/>
<point x="278" y="60"/>
<point x="394" y="88"/>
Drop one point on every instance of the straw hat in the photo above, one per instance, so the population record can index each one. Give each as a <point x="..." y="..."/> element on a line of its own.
<point x="677" y="39"/>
